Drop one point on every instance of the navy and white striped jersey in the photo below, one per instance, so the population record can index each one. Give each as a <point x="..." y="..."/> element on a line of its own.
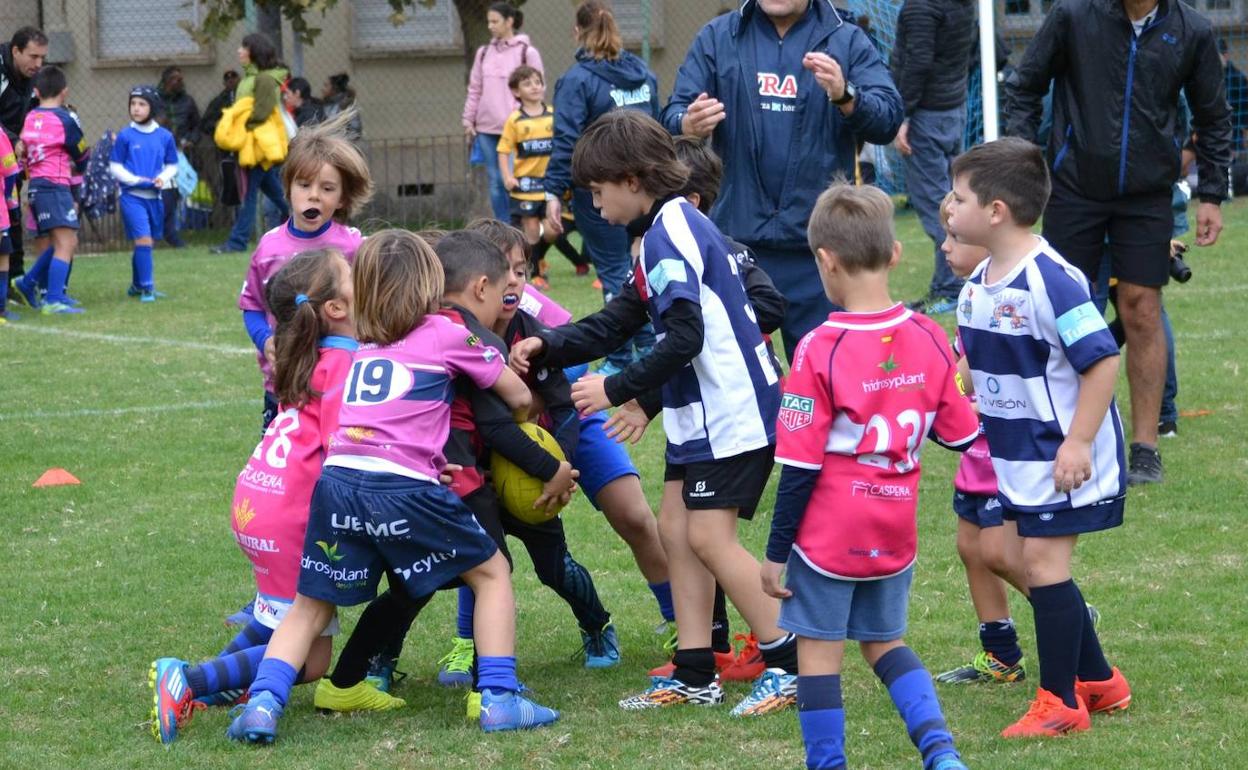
<point x="725" y="402"/>
<point x="1027" y="338"/>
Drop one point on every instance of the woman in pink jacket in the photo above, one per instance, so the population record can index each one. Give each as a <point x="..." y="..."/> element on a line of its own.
<point x="489" y="100"/>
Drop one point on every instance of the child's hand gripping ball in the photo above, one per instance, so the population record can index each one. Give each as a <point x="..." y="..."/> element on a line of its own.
<point x="517" y="490"/>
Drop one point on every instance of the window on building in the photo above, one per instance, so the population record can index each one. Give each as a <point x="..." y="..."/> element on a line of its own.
<point x="424" y="29"/>
<point x="128" y="30"/>
<point x="636" y="17"/>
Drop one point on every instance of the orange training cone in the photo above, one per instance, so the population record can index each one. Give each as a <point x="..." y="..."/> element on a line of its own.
<point x="56" y="477"/>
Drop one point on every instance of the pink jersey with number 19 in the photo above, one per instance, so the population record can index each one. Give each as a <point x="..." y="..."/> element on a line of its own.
<point x="864" y="391"/>
<point x="396" y="409"/>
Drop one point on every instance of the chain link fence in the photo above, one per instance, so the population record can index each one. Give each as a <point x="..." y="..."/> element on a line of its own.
<point x="409" y="81"/>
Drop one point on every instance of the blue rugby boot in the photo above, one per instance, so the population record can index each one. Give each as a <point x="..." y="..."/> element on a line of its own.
<point x="257" y="721"/>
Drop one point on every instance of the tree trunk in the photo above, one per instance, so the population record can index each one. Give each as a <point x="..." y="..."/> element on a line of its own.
<point x="269" y="21"/>
<point x="473" y="27"/>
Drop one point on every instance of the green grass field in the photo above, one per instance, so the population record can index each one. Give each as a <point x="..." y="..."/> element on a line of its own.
<point x="155" y="408"/>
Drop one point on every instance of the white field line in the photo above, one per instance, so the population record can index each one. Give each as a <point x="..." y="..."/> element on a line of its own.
<point x="117" y="339"/>
<point x="154" y="409"/>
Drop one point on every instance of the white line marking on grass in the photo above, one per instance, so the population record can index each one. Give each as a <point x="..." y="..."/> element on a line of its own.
<point x="118" y="411"/>
<point x="122" y="340"/>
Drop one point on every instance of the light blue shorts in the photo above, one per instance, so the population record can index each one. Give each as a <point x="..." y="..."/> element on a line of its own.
<point x="833" y="609"/>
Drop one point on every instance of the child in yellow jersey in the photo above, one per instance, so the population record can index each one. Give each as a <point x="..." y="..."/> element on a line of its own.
<point x="528" y="134"/>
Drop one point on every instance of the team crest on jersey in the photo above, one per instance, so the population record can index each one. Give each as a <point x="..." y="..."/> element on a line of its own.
<point x="473" y="340"/>
<point x="1007" y="311"/>
<point x="771" y="84"/>
<point x="796" y="412"/>
<point x="967" y="308"/>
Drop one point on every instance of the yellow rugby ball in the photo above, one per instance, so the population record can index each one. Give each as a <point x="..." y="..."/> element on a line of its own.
<point x="517" y="490"/>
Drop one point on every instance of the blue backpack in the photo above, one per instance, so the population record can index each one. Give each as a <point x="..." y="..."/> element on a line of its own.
<point x="99" y="188"/>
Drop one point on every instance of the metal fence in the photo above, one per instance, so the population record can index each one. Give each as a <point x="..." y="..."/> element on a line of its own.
<point x="409" y="80"/>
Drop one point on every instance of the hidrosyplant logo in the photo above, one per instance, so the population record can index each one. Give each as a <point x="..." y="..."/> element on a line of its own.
<point x="331" y="551"/>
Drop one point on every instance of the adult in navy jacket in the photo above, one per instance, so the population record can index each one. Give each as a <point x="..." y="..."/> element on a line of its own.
<point x="603" y="78"/>
<point x="785" y="89"/>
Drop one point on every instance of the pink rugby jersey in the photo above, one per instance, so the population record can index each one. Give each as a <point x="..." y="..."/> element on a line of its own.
<point x="274" y="490"/>
<point x="9" y="171"/>
<point x="396" y="409"/>
<point x="975" y="474"/>
<point x="275" y="249"/>
<point x="543" y="308"/>
<point x="864" y="391"/>
<point x="54" y="145"/>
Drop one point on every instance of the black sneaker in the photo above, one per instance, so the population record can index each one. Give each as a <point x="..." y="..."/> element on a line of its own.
<point x="1145" y="465"/>
<point x="1168" y="429"/>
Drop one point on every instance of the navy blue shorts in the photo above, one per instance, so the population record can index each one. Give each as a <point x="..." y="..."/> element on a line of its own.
<point x="1072" y="521"/>
<point x="362" y="524"/>
<point x="832" y="609"/>
<point x="983" y="511"/>
<point x="53" y="206"/>
<point x="143" y="217"/>
<point x="600" y="458"/>
<point x="521" y="209"/>
<point x="6" y="245"/>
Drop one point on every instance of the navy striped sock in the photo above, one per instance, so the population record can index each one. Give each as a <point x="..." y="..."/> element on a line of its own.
<point x="253" y="634"/>
<point x="822" y="718"/>
<point x="910" y="687"/>
<point x="235" y="671"/>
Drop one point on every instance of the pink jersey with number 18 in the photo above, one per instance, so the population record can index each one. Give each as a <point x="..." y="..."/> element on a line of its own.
<point x="864" y="391"/>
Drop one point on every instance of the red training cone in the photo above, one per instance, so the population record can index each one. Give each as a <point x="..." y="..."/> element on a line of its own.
<point x="56" y="477"/>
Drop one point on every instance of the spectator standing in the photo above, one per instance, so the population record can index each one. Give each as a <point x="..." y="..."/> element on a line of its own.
<point x="338" y="96"/>
<point x="262" y="79"/>
<point x="931" y="61"/>
<point x="799" y="87"/>
<point x="300" y="103"/>
<point x="490" y="101"/>
<point x="19" y="61"/>
<point x="1114" y="159"/>
<point x="220" y="169"/>
<point x="212" y="113"/>
<point x="182" y="120"/>
<point x="604" y="77"/>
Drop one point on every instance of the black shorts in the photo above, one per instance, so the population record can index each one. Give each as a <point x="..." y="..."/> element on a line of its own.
<point x="1138" y="228"/>
<point x="733" y="482"/>
<point x="521" y="209"/>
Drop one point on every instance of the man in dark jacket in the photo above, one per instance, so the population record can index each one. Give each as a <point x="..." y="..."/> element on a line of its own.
<point x="1117" y="67"/>
<point x="19" y="61"/>
<point x="182" y="116"/>
<point x="931" y="61"/>
<point x="799" y="87"/>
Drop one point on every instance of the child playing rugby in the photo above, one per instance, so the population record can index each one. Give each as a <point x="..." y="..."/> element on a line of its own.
<point x="1044" y="366"/>
<point x="866" y="388"/>
<point x="719" y="412"/>
<point x="379" y="507"/>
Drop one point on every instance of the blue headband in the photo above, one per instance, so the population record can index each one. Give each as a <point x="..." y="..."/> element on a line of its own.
<point x="300" y="299"/>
